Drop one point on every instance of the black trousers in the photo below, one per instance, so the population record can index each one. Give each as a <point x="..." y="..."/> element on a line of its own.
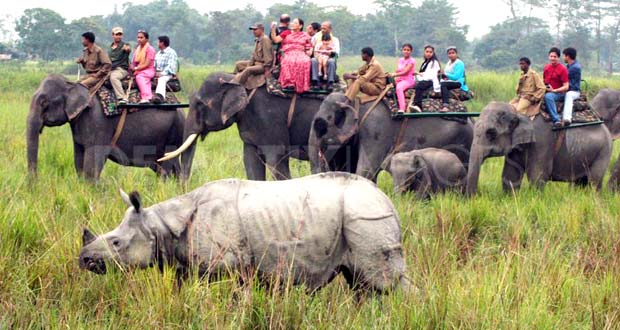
<point x="446" y="86"/>
<point x="420" y="88"/>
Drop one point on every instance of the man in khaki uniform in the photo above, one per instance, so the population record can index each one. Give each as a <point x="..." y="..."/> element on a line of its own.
<point x="530" y="90"/>
<point x="251" y="74"/>
<point x="94" y="60"/>
<point x="369" y="79"/>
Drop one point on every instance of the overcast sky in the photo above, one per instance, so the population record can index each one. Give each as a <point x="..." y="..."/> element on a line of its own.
<point x="478" y="14"/>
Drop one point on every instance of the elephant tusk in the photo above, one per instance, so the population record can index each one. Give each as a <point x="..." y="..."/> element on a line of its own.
<point x="176" y="153"/>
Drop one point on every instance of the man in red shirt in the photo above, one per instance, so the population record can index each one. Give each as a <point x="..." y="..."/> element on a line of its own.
<point x="555" y="76"/>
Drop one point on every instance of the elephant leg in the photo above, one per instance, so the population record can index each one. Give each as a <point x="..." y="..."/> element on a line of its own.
<point x="597" y="173"/>
<point x="368" y="166"/>
<point x="539" y="165"/>
<point x="513" y="171"/>
<point x="94" y="159"/>
<point x="278" y="165"/>
<point x="78" y="158"/>
<point x="253" y="163"/>
<point x="614" y="180"/>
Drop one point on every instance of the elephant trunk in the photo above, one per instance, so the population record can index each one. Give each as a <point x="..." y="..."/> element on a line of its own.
<point x="187" y="158"/>
<point x="314" y="153"/>
<point x="476" y="157"/>
<point x="35" y="125"/>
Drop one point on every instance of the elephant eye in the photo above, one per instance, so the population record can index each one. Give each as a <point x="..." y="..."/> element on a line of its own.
<point x="491" y="134"/>
<point x="116" y="242"/>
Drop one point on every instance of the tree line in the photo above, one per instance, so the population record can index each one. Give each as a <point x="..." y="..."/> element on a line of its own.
<point x="591" y="26"/>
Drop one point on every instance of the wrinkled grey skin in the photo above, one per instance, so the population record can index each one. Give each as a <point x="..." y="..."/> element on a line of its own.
<point x="147" y="134"/>
<point x="336" y="124"/>
<point x="262" y="124"/>
<point x="305" y="230"/>
<point x="607" y="104"/>
<point x="426" y="171"/>
<point x="529" y="147"/>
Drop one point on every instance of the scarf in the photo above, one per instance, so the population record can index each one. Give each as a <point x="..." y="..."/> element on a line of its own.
<point x="426" y="63"/>
<point x="140" y="57"/>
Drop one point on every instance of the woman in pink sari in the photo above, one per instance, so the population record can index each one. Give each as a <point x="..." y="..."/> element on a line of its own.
<point x="297" y="48"/>
<point x="143" y="66"/>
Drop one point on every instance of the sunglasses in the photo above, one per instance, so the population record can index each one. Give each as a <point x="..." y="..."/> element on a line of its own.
<point x="118" y="34"/>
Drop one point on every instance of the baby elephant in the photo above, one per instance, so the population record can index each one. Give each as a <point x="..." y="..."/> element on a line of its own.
<point x="305" y="230"/>
<point x="426" y="171"/>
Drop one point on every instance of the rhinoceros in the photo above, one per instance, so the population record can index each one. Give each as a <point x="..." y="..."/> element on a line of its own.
<point x="305" y="230"/>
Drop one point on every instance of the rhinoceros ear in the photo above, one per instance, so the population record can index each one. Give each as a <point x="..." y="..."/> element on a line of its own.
<point x="87" y="237"/>
<point x="133" y="199"/>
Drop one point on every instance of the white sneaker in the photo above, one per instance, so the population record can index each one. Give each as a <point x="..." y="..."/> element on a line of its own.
<point x="416" y="109"/>
<point x="143" y="101"/>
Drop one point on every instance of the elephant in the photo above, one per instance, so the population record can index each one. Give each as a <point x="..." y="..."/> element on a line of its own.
<point x="579" y="155"/>
<point x="426" y="171"/>
<point x="337" y="123"/>
<point x="262" y="120"/>
<point x="146" y="136"/>
<point x="305" y="231"/>
<point x="607" y="104"/>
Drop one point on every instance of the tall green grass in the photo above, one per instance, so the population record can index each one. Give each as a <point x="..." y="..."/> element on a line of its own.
<point x="530" y="260"/>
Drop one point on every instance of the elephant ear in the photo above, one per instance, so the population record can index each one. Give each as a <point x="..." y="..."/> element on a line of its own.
<point x="235" y="99"/>
<point x="76" y="101"/>
<point x="522" y="131"/>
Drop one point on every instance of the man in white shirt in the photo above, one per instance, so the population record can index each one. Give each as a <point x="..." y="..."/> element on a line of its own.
<point x="165" y="67"/>
<point x="326" y="27"/>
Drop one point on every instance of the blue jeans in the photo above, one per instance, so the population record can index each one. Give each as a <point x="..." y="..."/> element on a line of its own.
<point x="331" y="70"/>
<point x="550" y="99"/>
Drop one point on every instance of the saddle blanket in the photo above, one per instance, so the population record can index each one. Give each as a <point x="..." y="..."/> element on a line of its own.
<point x="108" y="101"/>
<point x="274" y="88"/>
<point x="582" y="111"/>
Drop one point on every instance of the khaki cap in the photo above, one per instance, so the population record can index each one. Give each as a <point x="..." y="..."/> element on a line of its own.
<point x="117" y="30"/>
<point x="257" y="26"/>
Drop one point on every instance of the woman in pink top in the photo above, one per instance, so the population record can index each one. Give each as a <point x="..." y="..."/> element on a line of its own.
<point x="143" y="66"/>
<point x="404" y="76"/>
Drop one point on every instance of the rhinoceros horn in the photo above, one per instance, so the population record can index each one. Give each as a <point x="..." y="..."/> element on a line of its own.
<point x="87" y="237"/>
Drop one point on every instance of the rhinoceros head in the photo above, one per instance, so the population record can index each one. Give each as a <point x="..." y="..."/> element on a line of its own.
<point x="131" y="244"/>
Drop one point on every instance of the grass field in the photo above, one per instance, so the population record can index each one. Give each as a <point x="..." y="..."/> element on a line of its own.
<point x="531" y="260"/>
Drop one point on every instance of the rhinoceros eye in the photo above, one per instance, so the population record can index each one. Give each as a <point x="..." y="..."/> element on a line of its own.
<point x="116" y="242"/>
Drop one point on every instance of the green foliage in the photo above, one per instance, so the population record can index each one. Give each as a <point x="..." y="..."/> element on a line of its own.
<point x="520" y="37"/>
<point x="536" y="259"/>
<point x="43" y="33"/>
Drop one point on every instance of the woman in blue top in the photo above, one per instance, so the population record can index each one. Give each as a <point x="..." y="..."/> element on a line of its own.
<point x="453" y="78"/>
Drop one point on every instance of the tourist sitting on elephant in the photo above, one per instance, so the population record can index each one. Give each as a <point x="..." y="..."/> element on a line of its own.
<point x="251" y="73"/>
<point x="574" y="84"/>
<point x="454" y="77"/>
<point x="312" y="29"/>
<point x="427" y="77"/>
<point x="369" y="79"/>
<point x="143" y="66"/>
<point x="166" y="66"/>
<point x="555" y="76"/>
<point x="94" y="60"/>
<point x="404" y="76"/>
<point x="326" y="28"/>
<point x="119" y="56"/>
<point x="295" y="64"/>
<point x="530" y="90"/>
